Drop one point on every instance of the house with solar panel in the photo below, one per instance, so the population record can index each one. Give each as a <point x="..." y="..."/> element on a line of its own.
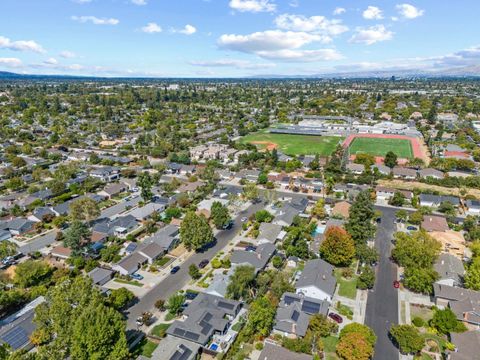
<point x="16" y="329"/>
<point x="173" y="348"/>
<point x="207" y="321"/>
<point x="317" y="280"/>
<point x="294" y="312"/>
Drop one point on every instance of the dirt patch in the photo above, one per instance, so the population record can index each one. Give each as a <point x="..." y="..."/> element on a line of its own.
<point x="267" y="145"/>
<point x="410" y="185"/>
<point x="178" y="251"/>
<point x="8" y="273"/>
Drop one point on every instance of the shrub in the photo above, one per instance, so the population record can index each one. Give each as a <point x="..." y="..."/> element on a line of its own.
<point x="418" y="322"/>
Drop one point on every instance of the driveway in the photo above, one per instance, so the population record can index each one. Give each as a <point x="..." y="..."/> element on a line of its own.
<point x="175" y="282"/>
<point x="382" y="303"/>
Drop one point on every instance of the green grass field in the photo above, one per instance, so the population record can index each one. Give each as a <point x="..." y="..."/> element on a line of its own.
<point x="295" y="144"/>
<point x="380" y="147"/>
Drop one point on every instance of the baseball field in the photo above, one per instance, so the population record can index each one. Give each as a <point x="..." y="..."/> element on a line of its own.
<point x="293" y="144"/>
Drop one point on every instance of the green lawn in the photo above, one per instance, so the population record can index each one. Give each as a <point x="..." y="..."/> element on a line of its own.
<point x="130" y="282"/>
<point x="347" y="287"/>
<point x="160" y="330"/>
<point x="379" y="147"/>
<point x="330" y="343"/>
<point x="296" y="144"/>
<point x="145" y="348"/>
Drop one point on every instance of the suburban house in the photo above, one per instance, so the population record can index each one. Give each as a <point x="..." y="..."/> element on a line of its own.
<point x="40" y="213"/>
<point x="145" y="212"/>
<point x="431" y="173"/>
<point x="276" y="352"/>
<point x="151" y="251"/>
<point x="450" y="270"/>
<point x="465" y="303"/>
<point x="293" y="314"/>
<point x="382" y="169"/>
<point x="219" y="284"/>
<point x="355" y="168"/>
<point x="173" y="348"/>
<point x="189" y="187"/>
<point x="61" y="252"/>
<point x="16" y="329"/>
<point x="167" y="238"/>
<point x="120" y="226"/>
<point x="130" y="264"/>
<point x="317" y="280"/>
<point x="270" y="233"/>
<point x="106" y="173"/>
<point x="472" y="207"/>
<point x="258" y="258"/>
<point x="5" y="235"/>
<point x="100" y="276"/>
<point x="466" y="344"/>
<point x="384" y="193"/>
<point x="404" y="173"/>
<point x="17" y="226"/>
<point x="113" y="189"/>
<point x="250" y="175"/>
<point x="286" y="215"/>
<point x="434" y="223"/>
<point x="435" y="200"/>
<point x="204" y="317"/>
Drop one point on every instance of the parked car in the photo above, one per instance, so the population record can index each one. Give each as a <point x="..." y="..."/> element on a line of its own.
<point x="203" y="263"/>
<point x="189" y="295"/>
<point x="411" y="228"/>
<point x="136" y="276"/>
<point x="335" y="317"/>
<point x="228" y="225"/>
<point x="244" y="219"/>
<point x="174" y="269"/>
<point x="396" y="284"/>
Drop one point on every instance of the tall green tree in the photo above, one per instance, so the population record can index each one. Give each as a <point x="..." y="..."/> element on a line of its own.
<point x="261" y="318"/>
<point x="445" y="321"/>
<point x="338" y="247"/>
<point x="390" y="159"/>
<point x="84" y="209"/>
<point x="145" y="182"/>
<point x="408" y="338"/>
<point x="219" y="215"/>
<point x="360" y="222"/>
<point x="75" y="236"/>
<point x="241" y="283"/>
<point x="195" y="232"/>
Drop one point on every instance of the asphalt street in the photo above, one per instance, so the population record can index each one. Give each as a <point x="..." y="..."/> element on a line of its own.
<point x="38" y="243"/>
<point x="382" y="303"/>
<point x="174" y="282"/>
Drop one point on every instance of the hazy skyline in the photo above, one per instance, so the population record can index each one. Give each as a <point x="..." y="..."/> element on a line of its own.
<point x="221" y="38"/>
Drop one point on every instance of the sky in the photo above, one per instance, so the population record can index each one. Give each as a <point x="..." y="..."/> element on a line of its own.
<point x="235" y="38"/>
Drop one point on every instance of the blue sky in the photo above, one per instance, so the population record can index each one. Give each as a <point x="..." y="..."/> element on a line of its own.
<point x="218" y="38"/>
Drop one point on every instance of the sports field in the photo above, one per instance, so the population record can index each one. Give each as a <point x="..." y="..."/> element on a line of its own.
<point x="294" y="144"/>
<point x="381" y="146"/>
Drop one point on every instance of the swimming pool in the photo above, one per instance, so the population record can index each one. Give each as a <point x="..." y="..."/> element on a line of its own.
<point x="214" y="347"/>
<point x="320" y="229"/>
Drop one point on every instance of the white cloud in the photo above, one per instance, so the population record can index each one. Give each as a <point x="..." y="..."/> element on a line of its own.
<point x="51" y="61"/>
<point x="239" y="64"/>
<point x="10" y="62"/>
<point x="152" y="28"/>
<point x="409" y="11"/>
<point x="294" y="3"/>
<point x="371" y="35"/>
<point x="466" y="57"/>
<point x="67" y="54"/>
<point x="95" y="20"/>
<point x="139" y="2"/>
<point x="254" y="6"/>
<point x="372" y="13"/>
<point x="339" y="11"/>
<point x="188" y="30"/>
<point x="278" y="45"/>
<point x="318" y="24"/>
<point x="20" y="45"/>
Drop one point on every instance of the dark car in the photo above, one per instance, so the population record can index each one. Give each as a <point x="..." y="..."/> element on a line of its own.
<point x="174" y="269"/>
<point x="203" y="263"/>
<point x="396" y="284"/>
<point x="207" y="246"/>
<point x="250" y="248"/>
<point x="335" y="317"/>
<point x="228" y="225"/>
<point x="189" y="295"/>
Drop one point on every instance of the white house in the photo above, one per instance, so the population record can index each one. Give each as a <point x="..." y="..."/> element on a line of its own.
<point x="317" y="280"/>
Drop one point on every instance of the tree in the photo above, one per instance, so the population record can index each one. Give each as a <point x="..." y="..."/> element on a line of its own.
<point x="447" y="208"/>
<point x="366" y="280"/>
<point x="261" y="318"/>
<point x="250" y="191"/>
<point x="175" y="302"/>
<point x="319" y="209"/>
<point x="84" y="209"/>
<point x="195" y="232"/>
<point x="398" y="199"/>
<point x="263" y="215"/>
<point x="219" y="215"/>
<point x="390" y="159"/>
<point x="416" y="218"/>
<point x="366" y="254"/>
<point x="407" y="338"/>
<point x="119" y="298"/>
<point x="145" y="182"/>
<point x="31" y="273"/>
<point x="354" y="346"/>
<point x="472" y="277"/>
<point x="7" y="248"/>
<point x="401" y="215"/>
<point x="361" y="214"/>
<point x="277" y="262"/>
<point x="321" y="326"/>
<point x="445" y="321"/>
<point x="338" y="247"/>
<point x="78" y="325"/>
<point x="241" y="283"/>
<point x="416" y="250"/>
<point x="361" y="329"/>
<point x="420" y="280"/>
<point x="75" y="235"/>
<point x="194" y="272"/>
<point x="160" y="304"/>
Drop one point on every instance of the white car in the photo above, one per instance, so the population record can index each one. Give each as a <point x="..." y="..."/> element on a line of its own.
<point x="244" y="219"/>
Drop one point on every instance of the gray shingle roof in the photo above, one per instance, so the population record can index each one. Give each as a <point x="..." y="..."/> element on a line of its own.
<point x="275" y="352"/>
<point x="258" y="258"/>
<point x="318" y="273"/>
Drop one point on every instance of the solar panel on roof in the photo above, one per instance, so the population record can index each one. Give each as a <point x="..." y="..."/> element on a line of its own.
<point x="310" y="307"/>
<point x="226" y="305"/>
<point x="191" y="336"/>
<point x="289" y="299"/>
<point x="207" y="317"/>
<point x="206" y="329"/>
<point x="181" y="354"/>
<point x="179" y="332"/>
<point x="16" y="338"/>
<point x="295" y="315"/>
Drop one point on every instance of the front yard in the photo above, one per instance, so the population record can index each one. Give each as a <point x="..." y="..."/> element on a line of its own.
<point x="145" y="348"/>
<point x="346" y="287"/>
